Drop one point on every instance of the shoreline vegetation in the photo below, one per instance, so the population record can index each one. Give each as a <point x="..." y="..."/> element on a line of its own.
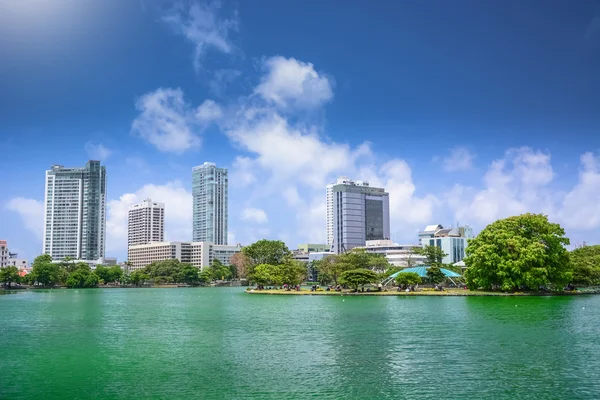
<point x="445" y="292"/>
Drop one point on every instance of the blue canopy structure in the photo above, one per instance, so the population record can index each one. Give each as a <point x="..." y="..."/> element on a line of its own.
<point x="421" y="270"/>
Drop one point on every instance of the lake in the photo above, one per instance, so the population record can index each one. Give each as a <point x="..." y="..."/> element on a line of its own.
<point x="221" y="343"/>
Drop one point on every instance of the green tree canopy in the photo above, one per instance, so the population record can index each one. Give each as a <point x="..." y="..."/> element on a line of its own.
<point x="138" y="277"/>
<point x="435" y="274"/>
<point x="408" y="278"/>
<point x="273" y="252"/>
<point x="292" y="273"/>
<point x="44" y="272"/>
<point x="82" y="278"/>
<point x="219" y="271"/>
<point x="518" y="253"/>
<point x="434" y="254"/>
<point x="265" y="274"/>
<point x="358" y="277"/>
<point x="586" y="265"/>
<point x="189" y="274"/>
<point x="9" y="275"/>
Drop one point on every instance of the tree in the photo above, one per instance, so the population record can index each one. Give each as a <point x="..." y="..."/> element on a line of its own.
<point x="189" y="274"/>
<point x="358" y="277"/>
<point x="265" y="274"/>
<point x="518" y="253"/>
<point x="434" y="254"/>
<point x="219" y="271"/>
<point x="408" y="278"/>
<point x="115" y="274"/>
<point x="586" y="265"/>
<point x="272" y="252"/>
<point x="241" y="263"/>
<point x="292" y="273"/>
<point x="435" y="274"/>
<point x="138" y="277"/>
<point x="9" y="274"/>
<point x="205" y="276"/>
<point x="82" y="277"/>
<point x="102" y="272"/>
<point x="44" y="272"/>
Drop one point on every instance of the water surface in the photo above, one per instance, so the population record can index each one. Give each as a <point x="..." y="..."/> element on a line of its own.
<point x="222" y="343"/>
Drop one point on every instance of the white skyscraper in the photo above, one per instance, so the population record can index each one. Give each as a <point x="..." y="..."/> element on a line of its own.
<point x="209" y="190"/>
<point x="146" y="223"/>
<point x="356" y="212"/>
<point x="75" y="212"/>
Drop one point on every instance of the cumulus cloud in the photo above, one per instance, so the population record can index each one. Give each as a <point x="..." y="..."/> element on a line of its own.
<point x="459" y="159"/>
<point x="254" y="215"/>
<point x="201" y="25"/>
<point x="208" y="111"/>
<point x="97" y="151"/>
<point x="581" y="206"/>
<point x="289" y="83"/>
<point x="514" y="184"/>
<point x="169" y="123"/>
<point x="31" y="212"/>
<point x="178" y="213"/>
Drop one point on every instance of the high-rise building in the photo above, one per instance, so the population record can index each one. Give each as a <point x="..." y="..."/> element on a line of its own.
<point x="356" y="212"/>
<point x="209" y="190"/>
<point x="75" y="212"/>
<point x="146" y="223"/>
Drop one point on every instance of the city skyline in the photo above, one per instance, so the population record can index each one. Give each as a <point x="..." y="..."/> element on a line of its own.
<point x="464" y="125"/>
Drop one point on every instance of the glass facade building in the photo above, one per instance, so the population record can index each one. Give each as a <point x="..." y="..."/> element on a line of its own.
<point x="75" y="212"/>
<point x="356" y="212"/>
<point x="209" y="191"/>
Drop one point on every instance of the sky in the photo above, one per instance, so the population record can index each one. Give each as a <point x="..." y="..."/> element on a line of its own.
<point x="465" y="111"/>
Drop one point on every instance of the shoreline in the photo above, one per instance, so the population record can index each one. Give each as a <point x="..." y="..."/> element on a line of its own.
<point x="454" y="293"/>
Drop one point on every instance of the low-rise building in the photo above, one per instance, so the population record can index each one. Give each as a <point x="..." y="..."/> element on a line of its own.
<point x="399" y="255"/>
<point x="8" y="259"/>
<point x="452" y="241"/>
<point x="312" y="248"/>
<point x="199" y="254"/>
<point x="3" y="253"/>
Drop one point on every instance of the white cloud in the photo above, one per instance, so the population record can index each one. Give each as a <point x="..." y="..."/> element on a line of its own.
<point x="97" y="151"/>
<point x="460" y="159"/>
<point x="242" y="173"/>
<point x="178" y="213"/>
<point x="289" y="152"/>
<point x="208" y="111"/>
<point x="254" y="215"/>
<point x="221" y="80"/>
<point x="31" y="212"/>
<point x="201" y="26"/>
<point x="513" y="185"/>
<point x="167" y="121"/>
<point x="289" y="83"/>
<point x="581" y="206"/>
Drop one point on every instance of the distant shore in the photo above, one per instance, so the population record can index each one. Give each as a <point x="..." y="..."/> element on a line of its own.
<point x="447" y="292"/>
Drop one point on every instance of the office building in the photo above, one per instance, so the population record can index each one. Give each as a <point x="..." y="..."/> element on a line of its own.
<point x="356" y="212"/>
<point x="209" y="190"/>
<point x="199" y="254"/>
<point x="452" y="241"/>
<point x="146" y="223"/>
<point x="75" y="212"/>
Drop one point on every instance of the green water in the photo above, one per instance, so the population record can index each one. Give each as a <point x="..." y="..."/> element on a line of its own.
<point x="221" y="343"/>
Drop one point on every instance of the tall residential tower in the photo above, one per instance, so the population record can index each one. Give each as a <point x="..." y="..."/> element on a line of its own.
<point x="209" y="190"/>
<point x="356" y="212"/>
<point x="146" y="223"/>
<point x="75" y="212"/>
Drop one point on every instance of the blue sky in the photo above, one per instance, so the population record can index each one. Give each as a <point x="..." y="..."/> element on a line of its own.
<point x="466" y="111"/>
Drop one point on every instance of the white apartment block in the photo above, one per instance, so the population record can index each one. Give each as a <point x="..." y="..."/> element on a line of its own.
<point x="75" y="212"/>
<point x="399" y="255"/>
<point x="146" y="223"/>
<point x="199" y="254"/>
<point x="8" y="259"/>
<point x="356" y="212"/>
<point x="4" y="255"/>
<point x="210" y="194"/>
